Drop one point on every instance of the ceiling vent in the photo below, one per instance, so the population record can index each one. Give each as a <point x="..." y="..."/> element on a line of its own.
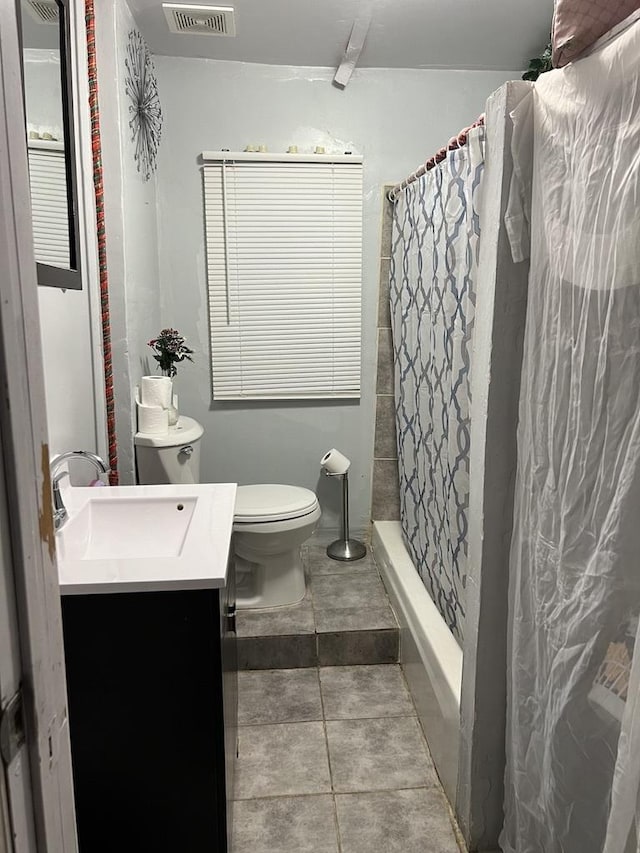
<point x="200" y="20"/>
<point x="44" y="11"/>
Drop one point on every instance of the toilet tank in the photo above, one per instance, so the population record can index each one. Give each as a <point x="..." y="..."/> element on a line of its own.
<point x="170" y="458"/>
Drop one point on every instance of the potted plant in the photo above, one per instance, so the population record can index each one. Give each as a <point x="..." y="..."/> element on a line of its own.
<point x="168" y="349"/>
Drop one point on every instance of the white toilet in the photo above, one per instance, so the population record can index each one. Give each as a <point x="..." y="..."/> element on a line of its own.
<point x="271" y="521"/>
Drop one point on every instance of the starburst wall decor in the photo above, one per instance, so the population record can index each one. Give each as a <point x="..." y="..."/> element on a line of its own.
<point x="146" y="113"/>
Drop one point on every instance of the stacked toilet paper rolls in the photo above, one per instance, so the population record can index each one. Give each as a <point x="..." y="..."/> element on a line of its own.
<point x="156" y="391"/>
<point x="153" y="420"/>
<point x="154" y="396"/>
<point x="335" y="462"/>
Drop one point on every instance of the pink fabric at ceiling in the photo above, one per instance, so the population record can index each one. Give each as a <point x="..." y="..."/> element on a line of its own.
<point x="577" y="24"/>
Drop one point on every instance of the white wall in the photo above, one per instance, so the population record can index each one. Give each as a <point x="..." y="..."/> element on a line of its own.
<point x="132" y="242"/>
<point x="68" y="369"/>
<point x="396" y="119"/>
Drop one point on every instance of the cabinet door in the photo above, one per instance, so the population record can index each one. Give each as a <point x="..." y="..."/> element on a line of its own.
<point x="146" y="717"/>
<point x="230" y="684"/>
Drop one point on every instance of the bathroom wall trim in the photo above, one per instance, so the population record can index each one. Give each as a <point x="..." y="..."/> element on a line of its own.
<point x="429" y="653"/>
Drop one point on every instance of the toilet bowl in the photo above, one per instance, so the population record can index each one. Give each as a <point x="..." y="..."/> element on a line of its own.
<point x="271" y="521"/>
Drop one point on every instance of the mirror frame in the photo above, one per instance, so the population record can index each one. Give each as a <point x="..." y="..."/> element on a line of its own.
<point x="48" y="275"/>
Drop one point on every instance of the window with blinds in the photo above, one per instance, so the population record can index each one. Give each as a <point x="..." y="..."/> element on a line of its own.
<point x="284" y="267"/>
<point x="49" y="206"/>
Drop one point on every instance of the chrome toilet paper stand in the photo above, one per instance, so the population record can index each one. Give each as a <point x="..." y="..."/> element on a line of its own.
<point x="345" y="549"/>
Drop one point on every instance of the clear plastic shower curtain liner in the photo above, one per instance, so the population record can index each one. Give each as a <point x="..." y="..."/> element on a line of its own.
<point x="573" y="728"/>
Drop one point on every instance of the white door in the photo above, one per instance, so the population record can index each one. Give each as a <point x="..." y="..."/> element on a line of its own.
<point x="17" y="821"/>
<point x="6" y="843"/>
<point x="36" y="790"/>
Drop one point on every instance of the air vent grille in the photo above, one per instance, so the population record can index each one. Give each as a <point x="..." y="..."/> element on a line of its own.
<point x="44" y="11"/>
<point x="200" y="20"/>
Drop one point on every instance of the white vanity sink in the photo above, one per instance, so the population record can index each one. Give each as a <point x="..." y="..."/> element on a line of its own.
<point x="145" y="538"/>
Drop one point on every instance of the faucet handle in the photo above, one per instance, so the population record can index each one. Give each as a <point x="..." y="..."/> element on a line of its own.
<point x="60" y="512"/>
<point x="59" y="509"/>
<point x="58" y="476"/>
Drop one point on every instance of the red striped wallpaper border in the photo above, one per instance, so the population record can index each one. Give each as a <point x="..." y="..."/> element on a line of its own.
<point x="96" y="149"/>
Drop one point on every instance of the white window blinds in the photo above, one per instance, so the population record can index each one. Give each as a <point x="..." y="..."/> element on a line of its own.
<point x="284" y="265"/>
<point x="48" y="179"/>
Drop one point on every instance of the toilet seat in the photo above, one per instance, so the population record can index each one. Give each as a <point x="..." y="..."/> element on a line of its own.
<point x="271" y="502"/>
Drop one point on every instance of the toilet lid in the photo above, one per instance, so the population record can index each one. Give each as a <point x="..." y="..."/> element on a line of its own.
<point x="270" y="502"/>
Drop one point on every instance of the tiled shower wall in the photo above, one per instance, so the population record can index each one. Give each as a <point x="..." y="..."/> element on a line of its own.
<point x="385" y="504"/>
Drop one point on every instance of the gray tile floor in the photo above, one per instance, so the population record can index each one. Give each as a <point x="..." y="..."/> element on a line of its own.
<point x="335" y="595"/>
<point x="333" y="760"/>
<point x="345" y="618"/>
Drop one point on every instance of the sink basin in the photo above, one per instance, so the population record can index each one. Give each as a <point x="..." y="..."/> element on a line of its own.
<point x="144" y="538"/>
<point x="128" y="528"/>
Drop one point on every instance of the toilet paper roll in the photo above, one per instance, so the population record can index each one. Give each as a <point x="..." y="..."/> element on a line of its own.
<point x="153" y="420"/>
<point x="156" y="391"/>
<point x="335" y="462"/>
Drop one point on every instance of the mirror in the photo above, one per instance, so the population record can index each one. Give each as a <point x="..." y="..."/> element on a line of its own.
<point x="48" y="102"/>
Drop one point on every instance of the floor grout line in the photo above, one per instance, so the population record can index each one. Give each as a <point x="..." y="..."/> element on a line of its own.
<point x="330" y="720"/>
<point x="324" y="729"/>
<point x="334" y="794"/>
<point x="383" y="790"/>
<point x="278" y="723"/>
<point x="337" y="823"/>
<point x="330" y="667"/>
<point x="402" y="716"/>
<point x="399" y="716"/>
<point x="268" y="797"/>
<point x="326" y="743"/>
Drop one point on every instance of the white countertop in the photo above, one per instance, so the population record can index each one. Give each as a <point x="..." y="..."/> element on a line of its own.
<point x="145" y="538"/>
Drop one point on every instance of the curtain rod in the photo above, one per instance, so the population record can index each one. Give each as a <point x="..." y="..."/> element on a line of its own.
<point x="454" y="143"/>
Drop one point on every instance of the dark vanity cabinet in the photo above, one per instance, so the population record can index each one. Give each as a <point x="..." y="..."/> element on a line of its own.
<point x="152" y="683"/>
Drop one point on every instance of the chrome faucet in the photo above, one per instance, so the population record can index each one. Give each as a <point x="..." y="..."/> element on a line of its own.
<point x="59" y="509"/>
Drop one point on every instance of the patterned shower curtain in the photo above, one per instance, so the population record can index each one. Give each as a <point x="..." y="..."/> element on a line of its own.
<point x="433" y="273"/>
